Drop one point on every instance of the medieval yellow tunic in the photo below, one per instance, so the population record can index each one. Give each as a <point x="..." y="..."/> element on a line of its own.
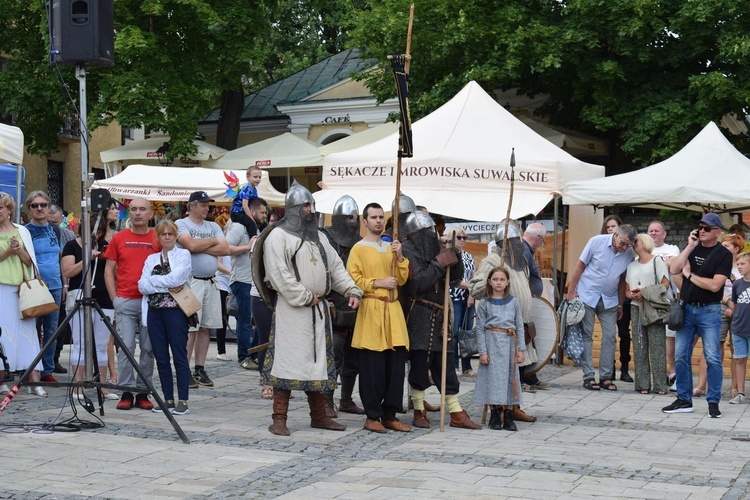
<point x="380" y="320"/>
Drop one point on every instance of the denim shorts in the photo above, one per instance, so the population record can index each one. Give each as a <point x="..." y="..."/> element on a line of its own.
<point x="740" y="343"/>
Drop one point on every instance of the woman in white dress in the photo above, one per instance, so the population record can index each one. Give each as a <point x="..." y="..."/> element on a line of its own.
<point x="17" y="336"/>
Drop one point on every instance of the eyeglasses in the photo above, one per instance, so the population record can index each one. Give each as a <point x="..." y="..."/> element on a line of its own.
<point x="39" y="205"/>
<point x="623" y="244"/>
<point x="461" y="238"/>
<point x="705" y="229"/>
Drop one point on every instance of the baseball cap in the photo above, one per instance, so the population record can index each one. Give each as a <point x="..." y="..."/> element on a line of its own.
<point x="199" y="196"/>
<point x="712" y="220"/>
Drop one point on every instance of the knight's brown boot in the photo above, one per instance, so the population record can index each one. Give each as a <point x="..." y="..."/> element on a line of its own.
<point x="522" y="416"/>
<point x="346" y="403"/>
<point x="461" y="420"/>
<point x="280" y="408"/>
<point x="420" y="419"/>
<point x="330" y="405"/>
<point x="318" y="417"/>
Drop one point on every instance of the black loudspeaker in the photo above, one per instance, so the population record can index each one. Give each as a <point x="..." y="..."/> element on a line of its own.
<point x="83" y="32"/>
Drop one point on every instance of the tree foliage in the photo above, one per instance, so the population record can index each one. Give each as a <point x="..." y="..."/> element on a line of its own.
<point x="175" y="60"/>
<point x="648" y="74"/>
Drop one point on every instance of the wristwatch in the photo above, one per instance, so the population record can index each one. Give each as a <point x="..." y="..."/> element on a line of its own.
<point x="690" y="278"/>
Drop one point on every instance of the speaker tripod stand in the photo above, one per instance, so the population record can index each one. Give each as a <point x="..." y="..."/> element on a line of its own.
<point x="90" y="305"/>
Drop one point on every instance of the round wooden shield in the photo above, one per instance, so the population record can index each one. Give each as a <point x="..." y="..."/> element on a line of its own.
<point x="547" y="333"/>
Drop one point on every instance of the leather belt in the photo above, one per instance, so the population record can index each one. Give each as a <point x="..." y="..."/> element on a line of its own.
<point x="703" y="304"/>
<point x="204" y="278"/>
<point x="430" y="303"/>
<point x="507" y="331"/>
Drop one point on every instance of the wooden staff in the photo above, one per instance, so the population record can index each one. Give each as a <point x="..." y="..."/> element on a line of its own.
<point x="510" y="203"/>
<point x="444" y="360"/>
<point x="401" y="131"/>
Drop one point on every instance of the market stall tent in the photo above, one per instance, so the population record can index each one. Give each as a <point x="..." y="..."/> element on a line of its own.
<point x="282" y="151"/>
<point x="11" y="144"/>
<point x="460" y="166"/>
<point x="145" y="152"/>
<point x="707" y="174"/>
<point x="176" y="184"/>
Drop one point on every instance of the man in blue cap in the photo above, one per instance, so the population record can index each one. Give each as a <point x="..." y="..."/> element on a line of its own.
<point x="703" y="268"/>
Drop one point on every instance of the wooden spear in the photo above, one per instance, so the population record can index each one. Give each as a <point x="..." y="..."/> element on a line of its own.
<point x="444" y="360"/>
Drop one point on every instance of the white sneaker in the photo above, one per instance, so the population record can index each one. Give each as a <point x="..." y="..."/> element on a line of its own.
<point x="223" y="357"/>
<point x="4" y="389"/>
<point x="738" y="399"/>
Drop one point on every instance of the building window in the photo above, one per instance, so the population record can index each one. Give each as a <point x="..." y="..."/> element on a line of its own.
<point x="55" y="182"/>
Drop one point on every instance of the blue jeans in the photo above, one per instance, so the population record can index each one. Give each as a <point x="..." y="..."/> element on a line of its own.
<point x="49" y="326"/>
<point x="704" y="322"/>
<point x="263" y="317"/>
<point x="241" y="292"/>
<point x="459" y="310"/>
<point x="168" y="331"/>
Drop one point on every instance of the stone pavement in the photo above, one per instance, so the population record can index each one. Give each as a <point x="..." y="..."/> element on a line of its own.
<point x="584" y="445"/>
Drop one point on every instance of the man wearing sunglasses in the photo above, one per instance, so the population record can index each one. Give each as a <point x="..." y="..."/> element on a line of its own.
<point x="703" y="268"/>
<point x="599" y="281"/>
<point x="47" y="247"/>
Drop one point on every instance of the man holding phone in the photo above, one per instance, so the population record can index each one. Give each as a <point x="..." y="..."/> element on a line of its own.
<point x="702" y="267"/>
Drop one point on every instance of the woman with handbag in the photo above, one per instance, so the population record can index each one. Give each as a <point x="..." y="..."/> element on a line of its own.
<point x="463" y="302"/>
<point x="18" y="336"/>
<point x="72" y="268"/>
<point x="165" y="273"/>
<point x="643" y="278"/>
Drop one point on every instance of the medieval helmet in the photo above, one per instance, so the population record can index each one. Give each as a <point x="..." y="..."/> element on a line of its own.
<point x="345" y="206"/>
<point x="513" y="231"/>
<point x="418" y="220"/>
<point x="405" y="204"/>
<point x="298" y="195"/>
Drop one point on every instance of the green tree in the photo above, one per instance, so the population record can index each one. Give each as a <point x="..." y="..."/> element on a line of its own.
<point x="648" y="74"/>
<point x="175" y="60"/>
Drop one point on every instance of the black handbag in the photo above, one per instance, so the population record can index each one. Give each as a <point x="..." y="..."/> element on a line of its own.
<point x="676" y="315"/>
<point x="467" y="341"/>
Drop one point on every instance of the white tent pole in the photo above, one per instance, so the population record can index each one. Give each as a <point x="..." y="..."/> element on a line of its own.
<point x="19" y="176"/>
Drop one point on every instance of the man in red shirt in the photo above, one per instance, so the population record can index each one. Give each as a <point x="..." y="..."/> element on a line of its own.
<point x="126" y="255"/>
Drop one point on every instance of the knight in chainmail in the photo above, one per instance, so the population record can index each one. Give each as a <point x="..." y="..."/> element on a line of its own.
<point x="425" y="312"/>
<point x="406" y="207"/>
<point x="516" y="263"/>
<point x="301" y="267"/>
<point x="343" y="234"/>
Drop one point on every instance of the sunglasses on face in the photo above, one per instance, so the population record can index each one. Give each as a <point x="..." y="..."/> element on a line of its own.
<point x="39" y="205"/>
<point x="461" y="238"/>
<point x="705" y="229"/>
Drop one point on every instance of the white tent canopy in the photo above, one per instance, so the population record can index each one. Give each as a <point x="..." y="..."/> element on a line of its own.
<point x="11" y="144"/>
<point x="176" y="184"/>
<point x="360" y="138"/>
<point x="707" y="174"/>
<point x="144" y="152"/>
<point x="460" y="166"/>
<point x="282" y="151"/>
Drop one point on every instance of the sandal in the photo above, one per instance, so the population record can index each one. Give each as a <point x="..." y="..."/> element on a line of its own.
<point x="266" y="392"/>
<point x="591" y="384"/>
<point x="697" y="393"/>
<point x="607" y="385"/>
<point x="661" y="393"/>
<point x="645" y="391"/>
